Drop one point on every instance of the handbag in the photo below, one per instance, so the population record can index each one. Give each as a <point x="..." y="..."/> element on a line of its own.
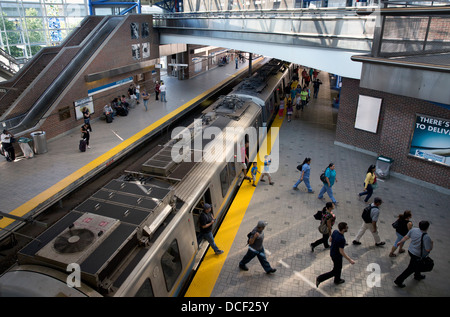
<point x="424" y="264"/>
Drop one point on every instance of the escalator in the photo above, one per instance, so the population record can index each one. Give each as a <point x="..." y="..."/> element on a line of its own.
<point x="31" y="118"/>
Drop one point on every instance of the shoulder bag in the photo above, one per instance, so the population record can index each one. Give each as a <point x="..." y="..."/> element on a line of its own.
<point x="425" y="264"/>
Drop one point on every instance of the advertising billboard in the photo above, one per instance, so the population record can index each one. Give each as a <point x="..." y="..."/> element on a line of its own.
<point x="431" y="139"/>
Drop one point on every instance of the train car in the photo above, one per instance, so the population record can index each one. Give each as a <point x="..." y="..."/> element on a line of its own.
<point x="138" y="234"/>
<point x="266" y="87"/>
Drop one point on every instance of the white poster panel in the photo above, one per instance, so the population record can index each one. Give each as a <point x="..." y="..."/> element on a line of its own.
<point x="80" y="104"/>
<point x="368" y="113"/>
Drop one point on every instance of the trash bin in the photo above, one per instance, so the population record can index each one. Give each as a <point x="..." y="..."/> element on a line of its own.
<point x="25" y="147"/>
<point x="39" y="142"/>
<point x="383" y="165"/>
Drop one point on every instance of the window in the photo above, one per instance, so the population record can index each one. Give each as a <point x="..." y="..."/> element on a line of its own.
<point x="171" y="264"/>
<point x="232" y="170"/>
<point x="224" y="182"/>
<point x="146" y="289"/>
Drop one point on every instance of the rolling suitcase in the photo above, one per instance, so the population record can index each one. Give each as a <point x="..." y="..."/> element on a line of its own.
<point x="82" y="145"/>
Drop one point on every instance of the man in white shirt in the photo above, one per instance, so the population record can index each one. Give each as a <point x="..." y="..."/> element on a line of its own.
<point x="162" y="89"/>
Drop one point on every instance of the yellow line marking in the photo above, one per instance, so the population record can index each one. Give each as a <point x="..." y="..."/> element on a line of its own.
<point x="205" y="279"/>
<point x="102" y="159"/>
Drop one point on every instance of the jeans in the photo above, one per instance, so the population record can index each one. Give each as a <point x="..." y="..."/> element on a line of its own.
<point x="329" y="191"/>
<point x="368" y="192"/>
<point x="208" y="236"/>
<point x="412" y="268"/>
<point x="145" y="104"/>
<point x="261" y="257"/>
<point x="336" y="272"/>
<point x="163" y="96"/>
<point x="306" y="180"/>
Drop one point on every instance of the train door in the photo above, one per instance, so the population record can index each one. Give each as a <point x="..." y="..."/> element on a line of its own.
<point x="205" y="198"/>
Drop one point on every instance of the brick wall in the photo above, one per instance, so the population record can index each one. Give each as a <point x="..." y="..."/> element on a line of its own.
<point x="395" y="129"/>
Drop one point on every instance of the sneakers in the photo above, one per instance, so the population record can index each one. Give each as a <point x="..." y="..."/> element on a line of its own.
<point x="218" y="252"/>
<point x="380" y="244"/>
<point x="311" y="192"/>
<point x="271" y="183"/>
<point x="356" y="242"/>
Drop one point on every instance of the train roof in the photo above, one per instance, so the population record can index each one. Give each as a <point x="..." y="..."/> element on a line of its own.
<point x="256" y="84"/>
<point x="127" y="213"/>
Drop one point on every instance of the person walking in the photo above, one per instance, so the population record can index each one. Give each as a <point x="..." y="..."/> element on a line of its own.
<point x="305" y="172"/>
<point x="157" y="91"/>
<point x="336" y="253"/>
<point x="254" y="171"/>
<point x="7" y="140"/>
<point x="256" y="248"/>
<point x="206" y="221"/>
<point x="402" y="226"/>
<point x="330" y="179"/>
<point x="289" y="109"/>
<point x="145" y="98"/>
<point x="267" y="162"/>
<point x="368" y="182"/>
<point x="162" y="89"/>
<point x="370" y="222"/>
<point x="420" y="247"/>
<point x="316" y="86"/>
<point x="328" y="218"/>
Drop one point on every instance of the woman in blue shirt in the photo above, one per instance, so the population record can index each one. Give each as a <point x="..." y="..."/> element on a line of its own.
<point x="306" y="169"/>
<point x="330" y="178"/>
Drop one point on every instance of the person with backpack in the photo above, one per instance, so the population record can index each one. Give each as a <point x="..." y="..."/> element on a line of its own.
<point x="328" y="179"/>
<point x="402" y="226"/>
<point x="370" y="216"/>
<point x="305" y="172"/>
<point x="326" y="223"/>
<point x="255" y="248"/>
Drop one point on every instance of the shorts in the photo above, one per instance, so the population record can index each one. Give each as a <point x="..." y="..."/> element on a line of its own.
<point x="243" y="166"/>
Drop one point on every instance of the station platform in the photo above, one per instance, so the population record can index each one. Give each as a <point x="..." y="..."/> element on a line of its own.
<point x="28" y="183"/>
<point x="291" y="227"/>
<point x="32" y="184"/>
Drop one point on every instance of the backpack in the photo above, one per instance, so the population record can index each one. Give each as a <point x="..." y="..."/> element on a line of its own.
<point x="318" y="215"/>
<point x="249" y="235"/>
<point x="323" y="177"/>
<point x="366" y="214"/>
<point x="299" y="167"/>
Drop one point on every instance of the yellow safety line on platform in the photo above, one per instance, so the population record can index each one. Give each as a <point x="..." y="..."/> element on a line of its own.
<point x="104" y="158"/>
<point x="205" y="279"/>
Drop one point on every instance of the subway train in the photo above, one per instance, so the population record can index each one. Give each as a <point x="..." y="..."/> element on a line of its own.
<point x="137" y="236"/>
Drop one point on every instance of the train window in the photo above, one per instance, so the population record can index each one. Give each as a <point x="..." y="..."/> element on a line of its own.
<point x="171" y="264"/>
<point x="146" y="289"/>
<point x="232" y="170"/>
<point x="224" y="181"/>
